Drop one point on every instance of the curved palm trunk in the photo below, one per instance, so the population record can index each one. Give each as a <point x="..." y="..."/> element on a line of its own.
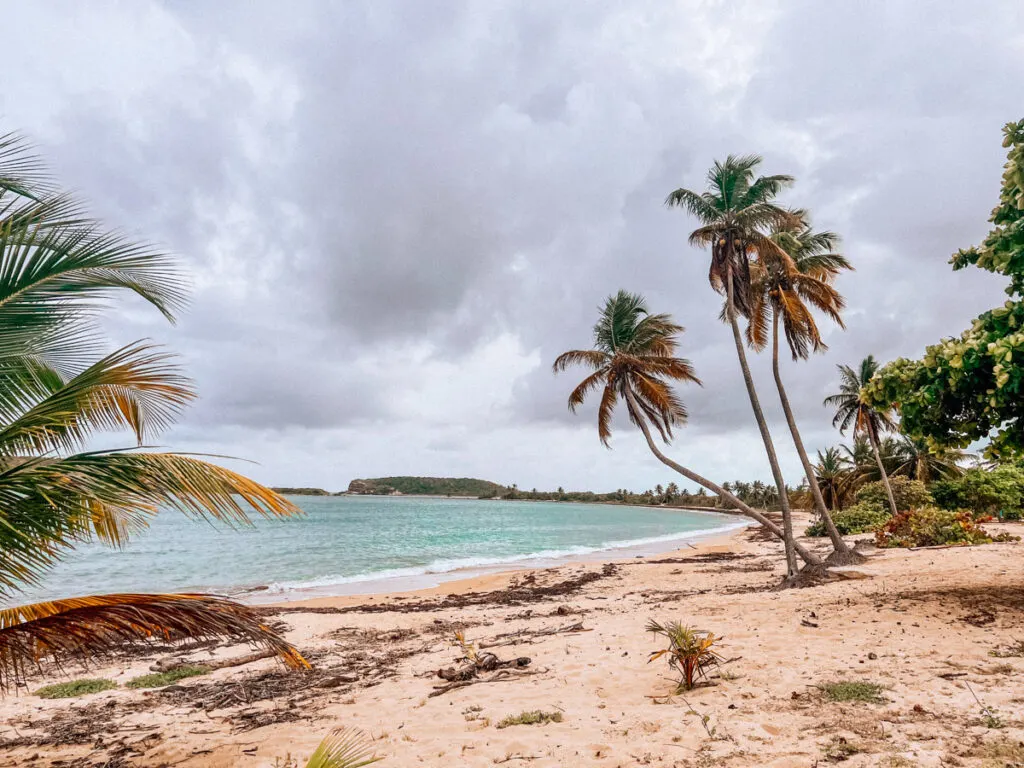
<point x="808" y="557"/>
<point x="881" y="468"/>
<point x="838" y="544"/>
<point x="769" y="446"/>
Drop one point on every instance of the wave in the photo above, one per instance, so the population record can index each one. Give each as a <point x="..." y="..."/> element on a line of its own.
<point x="469" y="564"/>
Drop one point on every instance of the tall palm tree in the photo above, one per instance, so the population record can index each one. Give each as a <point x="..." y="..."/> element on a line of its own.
<point x="737" y="213"/>
<point x="58" y="268"/>
<point x="918" y="461"/>
<point x="783" y="292"/>
<point x="832" y="474"/>
<point x="853" y="410"/>
<point x="634" y="360"/>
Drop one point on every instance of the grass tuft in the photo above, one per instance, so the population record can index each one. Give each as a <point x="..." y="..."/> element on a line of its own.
<point x="75" y="688"/>
<point x="839" y="749"/>
<point x="531" y="717"/>
<point x="160" y="679"/>
<point x="853" y="690"/>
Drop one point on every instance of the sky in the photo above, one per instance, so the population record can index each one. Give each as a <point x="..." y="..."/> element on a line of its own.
<point x="397" y="214"/>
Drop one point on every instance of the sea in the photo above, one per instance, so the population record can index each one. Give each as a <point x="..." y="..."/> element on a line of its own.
<point x="369" y="544"/>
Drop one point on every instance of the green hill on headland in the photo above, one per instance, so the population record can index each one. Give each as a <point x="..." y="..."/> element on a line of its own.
<point x="301" y="491"/>
<point x="426" y="486"/>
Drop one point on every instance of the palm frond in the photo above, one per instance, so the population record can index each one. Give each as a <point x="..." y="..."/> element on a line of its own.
<point x="50" y="505"/>
<point x="344" y="748"/>
<point x="83" y="628"/>
<point x="136" y="388"/>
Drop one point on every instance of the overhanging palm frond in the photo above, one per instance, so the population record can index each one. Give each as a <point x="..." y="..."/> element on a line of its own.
<point x="50" y="505"/>
<point x="136" y="387"/>
<point x="83" y="628"/>
<point x="344" y="748"/>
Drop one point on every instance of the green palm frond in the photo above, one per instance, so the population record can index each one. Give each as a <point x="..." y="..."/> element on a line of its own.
<point x="344" y="748"/>
<point x="136" y="388"/>
<point x="50" y="505"/>
<point x="82" y="628"/>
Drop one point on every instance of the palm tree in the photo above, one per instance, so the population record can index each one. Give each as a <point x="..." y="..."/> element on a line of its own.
<point x="783" y="292"/>
<point x="58" y="268"/>
<point x="853" y="410"/>
<point x="832" y="474"/>
<point x="918" y="461"/>
<point x="736" y="214"/>
<point x="634" y="360"/>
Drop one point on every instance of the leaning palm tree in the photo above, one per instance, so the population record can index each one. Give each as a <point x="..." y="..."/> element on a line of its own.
<point x="853" y="410"/>
<point x="634" y="360"/>
<point x="784" y="290"/>
<point x="58" y="269"/>
<point x="737" y="213"/>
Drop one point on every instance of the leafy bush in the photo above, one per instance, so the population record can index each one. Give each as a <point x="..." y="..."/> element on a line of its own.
<point x="908" y="493"/>
<point x="929" y="527"/>
<point x="998" y="492"/>
<point x="860" y="518"/>
<point x="160" y="679"/>
<point x="75" y="688"/>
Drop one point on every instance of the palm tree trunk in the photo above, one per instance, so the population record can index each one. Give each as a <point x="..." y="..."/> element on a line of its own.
<point x="819" y="502"/>
<point x="808" y="557"/>
<point x="769" y="446"/>
<point x="881" y="468"/>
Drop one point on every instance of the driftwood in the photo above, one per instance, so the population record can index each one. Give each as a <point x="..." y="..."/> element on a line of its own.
<point x="499" y="676"/>
<point x="169" y="665"/>
<point x="527" y="635"/>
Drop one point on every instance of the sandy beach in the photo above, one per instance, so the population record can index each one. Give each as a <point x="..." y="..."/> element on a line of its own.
<point x="931" y="626"/>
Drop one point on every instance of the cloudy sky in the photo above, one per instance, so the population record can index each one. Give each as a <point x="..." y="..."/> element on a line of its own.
<point x="398" y="213"/>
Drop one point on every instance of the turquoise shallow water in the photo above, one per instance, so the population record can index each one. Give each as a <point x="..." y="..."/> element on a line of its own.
<point x="362" y="543"/>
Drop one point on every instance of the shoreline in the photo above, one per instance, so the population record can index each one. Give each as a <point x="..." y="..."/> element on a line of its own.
<point x="467" y="578"/>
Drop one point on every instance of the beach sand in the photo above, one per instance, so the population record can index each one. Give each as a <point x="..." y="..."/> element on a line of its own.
<point x="924" y="625"/>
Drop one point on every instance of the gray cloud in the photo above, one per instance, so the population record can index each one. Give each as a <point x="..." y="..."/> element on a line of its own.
<point x="398" y="214"/>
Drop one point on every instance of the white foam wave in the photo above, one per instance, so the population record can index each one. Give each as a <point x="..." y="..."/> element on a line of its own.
<point x="469" y="564"/>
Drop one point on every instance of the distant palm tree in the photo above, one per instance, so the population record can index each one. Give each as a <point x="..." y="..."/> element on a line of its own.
<point x="832" y="474"/>
<point x="634" y="360"/>
<point x="783" y="292"/>
<point x="853" y="410"/>
<point x="915" y="459"/>
<point x="736" y="214"/>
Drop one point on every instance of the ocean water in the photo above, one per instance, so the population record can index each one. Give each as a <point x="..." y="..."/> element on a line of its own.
<point x="361" y="544"/>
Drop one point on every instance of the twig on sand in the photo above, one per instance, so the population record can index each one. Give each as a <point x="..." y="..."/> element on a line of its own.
<point x="510" y="758"/>
<point x="168" y="665"/>
<point x="497" y="677"/>
<point x="524" y="636"/>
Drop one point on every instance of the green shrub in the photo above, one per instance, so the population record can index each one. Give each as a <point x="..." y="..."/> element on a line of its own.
<point x="907" y="493"/>
<point x="929" y="527"/>
<point x="998" y="492"/>
<point x="860" y="518"/>
<point x="853" y="690"/>
<point x="160" y="679"/>
<point x="531" y="717"/>
<point x="75" y="688"/>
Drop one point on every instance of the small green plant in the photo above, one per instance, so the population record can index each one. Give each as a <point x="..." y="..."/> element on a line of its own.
<point x="160" y="679"/>
<point x="531" y="717"/>
<point x="990" y="717"/>
<point x="839" y="749"/>
<point x="853" y="690"/>
<point x="75" y="688"/>
<point x="863" y="517"/>
<point x="690" y="651"/>
<point x="1016" y="648"/>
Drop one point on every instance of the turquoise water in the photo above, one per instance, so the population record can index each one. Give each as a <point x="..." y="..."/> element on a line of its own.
<point x="364" y="543"/>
